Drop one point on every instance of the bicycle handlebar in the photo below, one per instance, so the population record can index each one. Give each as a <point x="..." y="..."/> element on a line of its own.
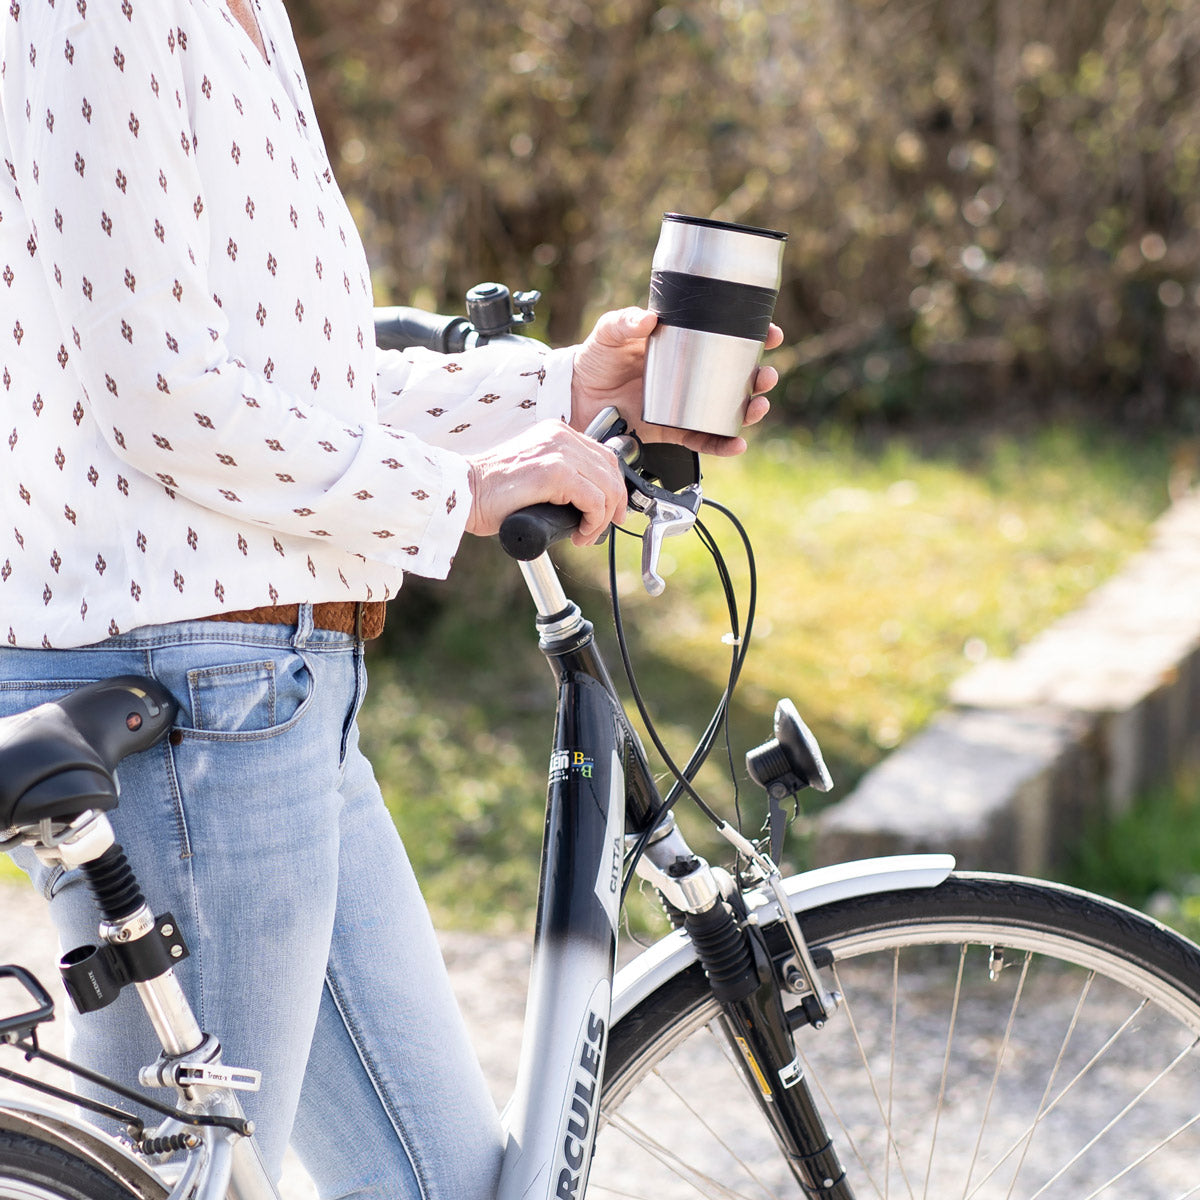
<point x="492" y="312"/>
<point x="524" y="535"/>
<point x="400" y="327"/>
<point x="529" y="532"/>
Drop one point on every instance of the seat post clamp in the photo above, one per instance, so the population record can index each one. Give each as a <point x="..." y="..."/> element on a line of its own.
<point x="94" y="976"/>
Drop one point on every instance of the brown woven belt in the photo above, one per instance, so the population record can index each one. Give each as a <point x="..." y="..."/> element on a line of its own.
<point x="345" y="616"/>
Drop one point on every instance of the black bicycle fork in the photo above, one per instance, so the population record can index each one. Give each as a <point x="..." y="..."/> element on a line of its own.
<point x="735" y="959"/>
<point x="744" y="981"/>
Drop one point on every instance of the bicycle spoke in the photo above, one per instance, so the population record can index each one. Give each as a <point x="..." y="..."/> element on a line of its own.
<point x="1137" y="1162"/>
<point x="937" y="1118"/>
<point x="987" y="1108"/>
<point x="887" y="1162"/>
<point x="847" y="1010"/>
<point x="1117" y="1119"/>
<point x="815" y="1077"/>
<point x="702" y="1183"/>
<point x="1074" y="1074"/>
<point x="1026" y="1138"/>
<point x="1054" y="1093"/>
<point x="727" y="1050"/>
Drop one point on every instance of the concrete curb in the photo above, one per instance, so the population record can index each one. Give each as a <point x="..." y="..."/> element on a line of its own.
<point x="1099" y="706"/>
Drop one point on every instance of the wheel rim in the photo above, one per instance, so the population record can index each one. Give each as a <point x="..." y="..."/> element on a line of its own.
<point x="1073" y="1074"/>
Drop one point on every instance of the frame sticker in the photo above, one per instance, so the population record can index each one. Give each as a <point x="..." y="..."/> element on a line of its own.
<point x="611" y="868"/>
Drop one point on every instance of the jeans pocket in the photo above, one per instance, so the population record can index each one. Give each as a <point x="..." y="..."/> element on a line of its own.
<point x="245" y="701"/>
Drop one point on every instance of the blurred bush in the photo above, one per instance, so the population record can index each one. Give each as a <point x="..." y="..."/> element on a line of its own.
<point x="989" y="201"/>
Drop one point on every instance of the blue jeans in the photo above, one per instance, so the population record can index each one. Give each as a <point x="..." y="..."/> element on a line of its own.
<point x="260" y="826"/>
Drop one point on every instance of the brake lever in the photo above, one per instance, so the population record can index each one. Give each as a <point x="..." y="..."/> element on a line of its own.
<point x="669" y="514"/>
<point x="527" y="533"/>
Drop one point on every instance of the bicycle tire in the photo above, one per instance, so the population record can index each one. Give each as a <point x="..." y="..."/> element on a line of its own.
<point x="1073" y="1073"/>
<point x="34" y="1169"/>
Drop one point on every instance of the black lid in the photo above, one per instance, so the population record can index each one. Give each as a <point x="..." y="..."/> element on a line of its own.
<point x="710" y="223"/>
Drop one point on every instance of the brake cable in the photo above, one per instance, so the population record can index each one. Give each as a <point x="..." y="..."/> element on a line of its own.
<point x="741" y="644"/>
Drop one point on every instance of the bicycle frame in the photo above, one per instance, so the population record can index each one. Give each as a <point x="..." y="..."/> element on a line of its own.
<point x="551" y="1121"/>
<point x="600" y="789"/>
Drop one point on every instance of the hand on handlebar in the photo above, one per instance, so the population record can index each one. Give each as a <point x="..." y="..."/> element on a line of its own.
<point x="549" y="463"/>
<point x="608" y="371"/>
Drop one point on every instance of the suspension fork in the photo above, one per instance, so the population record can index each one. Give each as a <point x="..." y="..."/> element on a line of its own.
<point x="749" y="988"/>
<point x="757" y="1026"/>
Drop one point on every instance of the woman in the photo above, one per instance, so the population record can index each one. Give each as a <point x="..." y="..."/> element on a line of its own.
<point x="214" y="478"/>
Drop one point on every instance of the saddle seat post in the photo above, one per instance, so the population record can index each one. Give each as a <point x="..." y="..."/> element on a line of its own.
<point x="126" y="922"/>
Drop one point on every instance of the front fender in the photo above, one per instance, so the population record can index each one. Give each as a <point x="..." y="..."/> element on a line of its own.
<point x="868" y="876"/>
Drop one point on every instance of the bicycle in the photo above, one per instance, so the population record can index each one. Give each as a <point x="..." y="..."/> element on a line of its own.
<point x="878" y="1028"/>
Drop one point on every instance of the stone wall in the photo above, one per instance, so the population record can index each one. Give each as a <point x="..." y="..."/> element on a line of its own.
<point x="1093" y="710"/>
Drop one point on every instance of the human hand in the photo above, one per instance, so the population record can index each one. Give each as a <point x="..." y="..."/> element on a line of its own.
<point x="608" y="372"/>
<point x="549" y="463"/>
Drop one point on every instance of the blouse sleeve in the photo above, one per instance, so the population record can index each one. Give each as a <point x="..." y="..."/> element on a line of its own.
<point x="98" y="124"/>
<point x="471" y="401"/>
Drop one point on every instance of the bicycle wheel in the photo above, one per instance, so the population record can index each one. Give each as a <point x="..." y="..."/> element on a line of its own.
<point x="997" y="1038"/>
<point x="32" y="1169"/>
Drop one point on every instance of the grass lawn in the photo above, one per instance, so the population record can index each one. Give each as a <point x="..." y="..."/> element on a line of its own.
<point x="884" y="571"/>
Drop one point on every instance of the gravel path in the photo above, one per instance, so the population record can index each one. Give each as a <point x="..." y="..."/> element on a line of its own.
<point x="489" y="975"/>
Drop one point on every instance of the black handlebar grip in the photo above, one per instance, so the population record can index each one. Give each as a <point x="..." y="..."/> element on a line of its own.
<point x="399" y="328"/>
<point x="532" y="531"/>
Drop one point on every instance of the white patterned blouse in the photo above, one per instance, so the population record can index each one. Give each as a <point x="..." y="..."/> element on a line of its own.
<point x="194" y="417"/>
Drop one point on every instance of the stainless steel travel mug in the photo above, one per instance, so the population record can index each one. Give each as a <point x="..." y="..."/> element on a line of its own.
<point x="713" y="285"/>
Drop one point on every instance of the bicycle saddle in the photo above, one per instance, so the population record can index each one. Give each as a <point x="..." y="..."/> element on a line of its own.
<point x="59" y="760"/>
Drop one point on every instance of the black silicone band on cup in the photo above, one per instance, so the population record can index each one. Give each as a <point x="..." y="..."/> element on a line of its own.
<point x="712" y="305"/>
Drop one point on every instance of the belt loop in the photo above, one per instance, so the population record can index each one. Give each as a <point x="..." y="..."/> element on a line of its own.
<point x="358" y="622"/>
<point x="304" y="626"/>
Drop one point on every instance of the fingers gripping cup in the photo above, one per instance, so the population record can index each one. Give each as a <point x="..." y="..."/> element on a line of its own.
<point x="713" y="285"/>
